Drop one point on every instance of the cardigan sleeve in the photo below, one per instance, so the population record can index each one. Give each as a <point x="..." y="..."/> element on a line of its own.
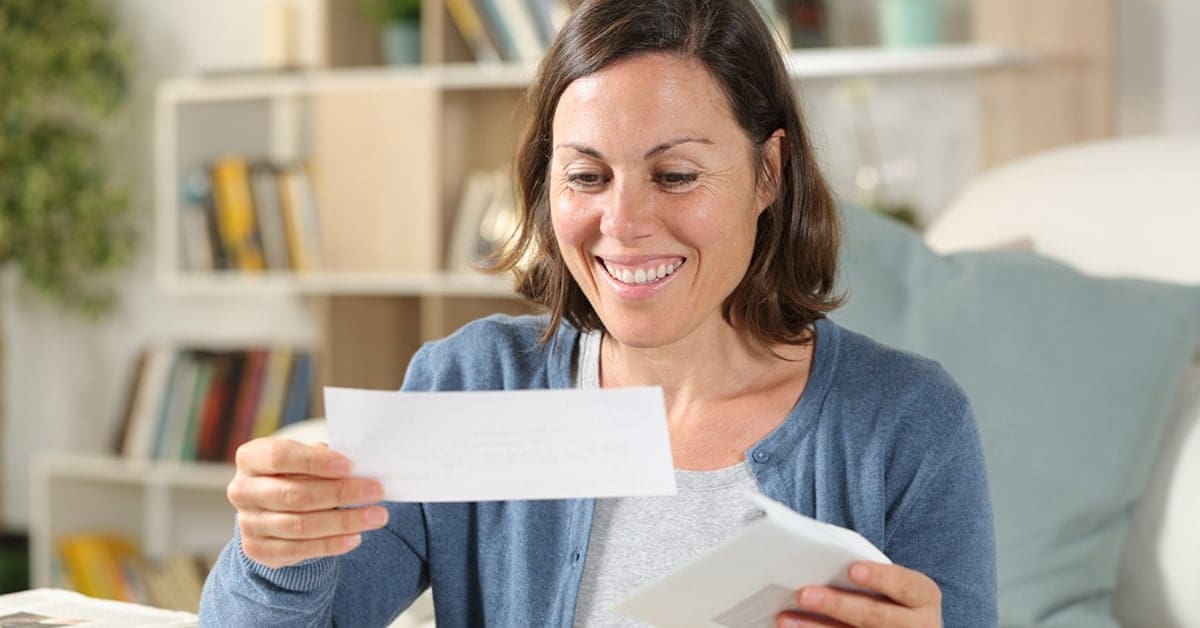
<point x="942" y="526"/>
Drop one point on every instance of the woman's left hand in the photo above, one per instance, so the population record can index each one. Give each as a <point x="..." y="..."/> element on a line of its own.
<point x="910" y="599"/>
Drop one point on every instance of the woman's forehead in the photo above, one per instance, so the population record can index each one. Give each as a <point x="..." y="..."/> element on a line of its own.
<point x="648" y="96"/>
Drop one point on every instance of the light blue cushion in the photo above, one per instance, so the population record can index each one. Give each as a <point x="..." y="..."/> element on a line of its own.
<point x="1070" y="377"/>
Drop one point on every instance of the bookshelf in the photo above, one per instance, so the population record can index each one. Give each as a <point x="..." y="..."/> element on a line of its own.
<point x="425" y="129"/>
<point x="168" y="508"/>
<point x="390" y="150"/>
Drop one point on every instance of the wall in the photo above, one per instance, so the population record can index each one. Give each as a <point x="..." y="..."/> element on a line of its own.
<point x="1181" y="78"/>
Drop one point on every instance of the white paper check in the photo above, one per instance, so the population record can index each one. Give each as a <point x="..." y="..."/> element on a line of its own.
<point x="504" y="445"/>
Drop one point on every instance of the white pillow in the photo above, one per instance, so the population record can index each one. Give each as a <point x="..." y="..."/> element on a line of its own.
<point x="1128" y="207"/>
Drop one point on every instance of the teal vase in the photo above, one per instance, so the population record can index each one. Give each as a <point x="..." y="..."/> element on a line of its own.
<point x="910" y="23"/>
<point x="402" y="43"/>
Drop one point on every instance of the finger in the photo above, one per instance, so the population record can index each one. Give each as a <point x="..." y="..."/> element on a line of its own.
<point x="800" y="619"/>
<point x="904" y="586"/>
<point x="313" y="525"/>
<point x="282" y="553"/>
<point x="856" y="609"/>
<point x="276" y="456"/>
<point x="301" y="494"/>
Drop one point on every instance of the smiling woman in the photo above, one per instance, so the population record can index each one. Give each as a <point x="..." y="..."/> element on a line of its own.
<point x="682" y="237"/>
<point x="653" y="172"/>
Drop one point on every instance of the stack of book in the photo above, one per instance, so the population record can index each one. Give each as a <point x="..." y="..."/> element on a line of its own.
<point x="196" y="404"/>
<point x="111" y="567"/>
<point x="238" y="214"/>
<point x="508" y="30"/>
<point x="520" y="30"/>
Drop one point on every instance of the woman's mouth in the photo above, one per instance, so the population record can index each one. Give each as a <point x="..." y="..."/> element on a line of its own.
<point x="640" y="274"/>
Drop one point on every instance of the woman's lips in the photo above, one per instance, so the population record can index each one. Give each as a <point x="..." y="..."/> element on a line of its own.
<point x="638" y="274"/>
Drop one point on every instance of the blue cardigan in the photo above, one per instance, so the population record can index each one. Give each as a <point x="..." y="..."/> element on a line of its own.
<point x="881" y="441"/>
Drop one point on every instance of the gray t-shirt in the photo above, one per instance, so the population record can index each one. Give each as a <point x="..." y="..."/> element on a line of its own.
<point x="636" y="540"/>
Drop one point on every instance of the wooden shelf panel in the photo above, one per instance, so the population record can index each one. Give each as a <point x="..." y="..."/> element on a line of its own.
<point x="852" y="61"/>
<point x="803" y="64"/>
<point x="337" y="283"/>
<point x="111" y="470"/>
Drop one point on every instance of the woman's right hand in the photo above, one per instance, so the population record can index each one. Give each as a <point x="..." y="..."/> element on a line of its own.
<point x="291" y="501"/>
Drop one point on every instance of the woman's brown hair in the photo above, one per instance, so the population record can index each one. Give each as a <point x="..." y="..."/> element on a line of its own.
<point x="790" y="281"/>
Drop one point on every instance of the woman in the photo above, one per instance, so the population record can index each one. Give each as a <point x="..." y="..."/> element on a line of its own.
<point x="682" y="237"/>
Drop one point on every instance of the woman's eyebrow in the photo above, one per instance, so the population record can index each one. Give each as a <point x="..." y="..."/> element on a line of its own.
<point x="657" y="150"/>
<point x="586" y="150"/>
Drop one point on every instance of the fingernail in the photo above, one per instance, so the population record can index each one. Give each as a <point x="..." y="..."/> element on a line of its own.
<point x="374" y="492"/>
<point x="351" y="542"/>
<point x="376" y="516"/>
<point x="810" y="597"/>
<point x="860" y="573"/>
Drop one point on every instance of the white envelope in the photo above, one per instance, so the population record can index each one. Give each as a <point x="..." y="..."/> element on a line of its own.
<point x="747" y="580"/>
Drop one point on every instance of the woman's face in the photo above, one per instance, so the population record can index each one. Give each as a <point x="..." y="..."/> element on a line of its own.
<point x="653" y="196"/>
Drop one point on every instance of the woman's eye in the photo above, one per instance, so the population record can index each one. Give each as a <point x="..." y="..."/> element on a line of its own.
<point x="585" y="180"/>
<point x="675" y="180"/>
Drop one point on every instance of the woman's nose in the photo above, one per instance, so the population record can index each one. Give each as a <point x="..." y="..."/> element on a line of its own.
<point x="627" y="214"/>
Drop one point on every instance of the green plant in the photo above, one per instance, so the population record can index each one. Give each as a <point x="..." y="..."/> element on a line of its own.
<point x="62" y="73"/>
<point x="385" y="11"/>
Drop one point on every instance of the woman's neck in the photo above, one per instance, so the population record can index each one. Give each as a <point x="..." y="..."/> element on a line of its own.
<point x="708" y="366"/>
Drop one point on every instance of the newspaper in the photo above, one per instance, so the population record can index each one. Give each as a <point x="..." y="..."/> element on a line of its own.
<point x="57" y="607"/>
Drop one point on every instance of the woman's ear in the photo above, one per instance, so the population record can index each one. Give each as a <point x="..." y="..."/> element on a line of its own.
<point x="774" y="156"/>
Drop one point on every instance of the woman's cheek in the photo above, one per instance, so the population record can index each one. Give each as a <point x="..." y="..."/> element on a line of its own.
<point x="571" y="219"/>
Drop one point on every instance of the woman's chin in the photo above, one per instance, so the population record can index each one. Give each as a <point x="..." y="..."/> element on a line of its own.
<point x="641" y="334"/>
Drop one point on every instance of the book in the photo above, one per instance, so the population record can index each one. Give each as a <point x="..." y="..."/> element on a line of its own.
<point x="550" y="15"/>
<point x="93" y="564"/>
<point x="519" y="23"/>
<point x="184" y="580"/>
<point x="264" y="185"/>
<point x="274" y="392"/>
<point x="497" y="29"/>
<point x="300" y="219"/>
<point x="469" y="22"/>
<point x="148" y="401"/>
<point x="191" y="433"/>
<point x="131" y="390"/>
<point x="176" y="410"/>
<point x="236" y="222"/>
<point x="755" y="574"/>
<point x="195" y="239"/>
<point x="216" y="418"/>
<point x="299" y="394"/>
<point x="245" y="410"/>
<point x="196" y="197"/>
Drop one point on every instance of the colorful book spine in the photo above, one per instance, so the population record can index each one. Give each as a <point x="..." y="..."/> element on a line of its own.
<point x="466" y="17"/>
<point x="236" y="221"/>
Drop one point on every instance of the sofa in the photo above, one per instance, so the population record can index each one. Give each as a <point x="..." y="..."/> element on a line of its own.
<point x="1061" y="291"/>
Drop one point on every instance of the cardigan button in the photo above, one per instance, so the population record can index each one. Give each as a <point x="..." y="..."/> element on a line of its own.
<point x="761" y="456"/>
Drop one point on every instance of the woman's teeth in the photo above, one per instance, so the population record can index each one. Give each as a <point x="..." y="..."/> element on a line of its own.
<point x="645" y="275"/>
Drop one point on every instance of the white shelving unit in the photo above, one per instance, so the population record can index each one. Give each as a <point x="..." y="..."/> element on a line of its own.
<point x="166" y="507"/>
<point x="280" y="101"/>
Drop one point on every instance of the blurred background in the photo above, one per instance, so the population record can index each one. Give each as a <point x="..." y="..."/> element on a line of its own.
<point x="214" y="207"/>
